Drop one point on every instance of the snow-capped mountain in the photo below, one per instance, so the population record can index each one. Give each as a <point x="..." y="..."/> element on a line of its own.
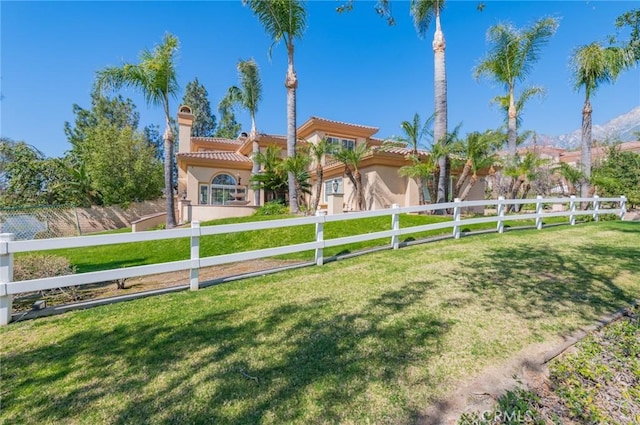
<point x="621" y="128"/>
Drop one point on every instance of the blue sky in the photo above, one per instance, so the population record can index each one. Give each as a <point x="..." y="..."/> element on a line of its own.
<point x="351" y="67"/>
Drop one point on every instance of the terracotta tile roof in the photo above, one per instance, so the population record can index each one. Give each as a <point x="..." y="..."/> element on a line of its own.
<point x="236" y="142"/>
<point x="219" y="155"/>
<point x="398" y="150"/>
<point x="343" y="123"/>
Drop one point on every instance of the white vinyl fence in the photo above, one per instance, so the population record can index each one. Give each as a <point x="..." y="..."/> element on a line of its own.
<point x="9" y="246"/>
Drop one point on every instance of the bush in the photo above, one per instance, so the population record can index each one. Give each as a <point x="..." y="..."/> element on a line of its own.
<point x="41" y="266"/>
<point x="272" y="208"/>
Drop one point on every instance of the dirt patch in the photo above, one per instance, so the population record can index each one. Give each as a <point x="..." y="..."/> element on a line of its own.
<point x="529" y="369"/>
<point x="102" y="290"/>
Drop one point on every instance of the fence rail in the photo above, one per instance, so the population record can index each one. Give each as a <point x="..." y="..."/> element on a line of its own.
<point x="9" y="246"/>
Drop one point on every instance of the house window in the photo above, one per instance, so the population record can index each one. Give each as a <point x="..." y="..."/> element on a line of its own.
<point x="203" y="199"/>
<point x="224" y="190"/>
<point x="348" y="144"/>
<point x="332" y="186"/>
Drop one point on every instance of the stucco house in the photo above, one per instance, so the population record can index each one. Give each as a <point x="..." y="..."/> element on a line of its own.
<point x="214" y="173"/>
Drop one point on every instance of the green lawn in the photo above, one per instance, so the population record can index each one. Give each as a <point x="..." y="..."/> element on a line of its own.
<point x="141" y="253"/>
<point x="372" y="339"/>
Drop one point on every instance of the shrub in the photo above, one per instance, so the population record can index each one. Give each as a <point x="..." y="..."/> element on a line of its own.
<point x="41" y="266"/>
<point x="272" y="208"/>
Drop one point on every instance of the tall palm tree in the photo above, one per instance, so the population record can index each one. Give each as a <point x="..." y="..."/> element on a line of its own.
<point x="504" y="102"/>
<point x="248" y="96"/>
<point x="285" y="20"/>
<point x="592" y="65"/>
<point x="512" y="56"/>
<point x="155" y="77"/>
<point x="351" y="158"/>
<point x="317" y="151"/>
<point x="423" y="11"/>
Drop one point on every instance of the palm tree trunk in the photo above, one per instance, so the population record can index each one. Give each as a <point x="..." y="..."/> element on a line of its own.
<point x="467" y="189"/>
<point x="463" y="177"/>
<point x="319" y="177"/>
<point x="512" y="129"/>
<point x="168" y="174"/>
<point x="291" y="83"/>
<point x="359" y="192"/>
<point x="585" y="149"/>
<point x="440" y="86"/>
<point x="255" y="169"/>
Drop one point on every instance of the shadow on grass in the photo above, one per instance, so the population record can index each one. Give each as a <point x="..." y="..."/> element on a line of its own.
<point x="312" y="362"/>
<point x="537" y="282"/>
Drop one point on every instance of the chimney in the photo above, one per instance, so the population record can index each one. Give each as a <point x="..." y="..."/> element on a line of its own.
<point x="185" y="122"/>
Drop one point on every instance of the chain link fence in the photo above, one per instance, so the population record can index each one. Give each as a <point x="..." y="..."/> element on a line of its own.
<point x="65" y="220"/>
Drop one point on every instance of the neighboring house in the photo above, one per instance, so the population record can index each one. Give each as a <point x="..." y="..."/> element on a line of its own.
<point x="598" y="153"/>
<point x="214" y="173"/>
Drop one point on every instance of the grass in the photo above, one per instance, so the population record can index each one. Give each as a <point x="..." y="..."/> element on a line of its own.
<point x="372" y="339"/>
<point x="140" y="253"/>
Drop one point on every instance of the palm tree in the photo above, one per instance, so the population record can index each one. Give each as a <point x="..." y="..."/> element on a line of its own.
<point x="317" y="151"/>
<point x="272" y="179"/>
<point x="593" y="65"/>
<point x="299" y="166"/>
<point x="285" y="20"/>
<point x="155" y="78"/>
<point x="248" y="96"/>
<point x="421" y="172"/>
<point x="351" y="158"/>
<point x="414" y="132"/>
<point x="523" y="172"/>
<point x="526" y="94"/>
<point x="422" y="12"/>
<point x="477" y="151"/>
<point x="571" y="175"/>
<point x="511" y="59"/>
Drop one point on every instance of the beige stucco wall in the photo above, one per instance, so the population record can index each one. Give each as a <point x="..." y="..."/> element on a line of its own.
<point x="211" y="212"/>
<point x="476" y="194"/>
<point x="384" y="187"/>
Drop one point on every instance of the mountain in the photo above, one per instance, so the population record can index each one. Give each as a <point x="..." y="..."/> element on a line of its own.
<point x="621" y="128"/>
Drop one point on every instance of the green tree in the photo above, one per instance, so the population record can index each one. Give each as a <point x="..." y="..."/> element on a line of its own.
<point x="351" y="159"/>
<point x="504" y="101"/>
<point x="197" y="98"/>
<point x="510" y="60"/>
<point x="121" y="164"/>
<point x="593" y="65"/>
<point x="422" y="171"/>
<point x="228" y="127"/>
<point x="572" y="176"/>
<point x="285" y="20"/>
<point x="619" y="174"/>
<point x="23" y="181"/>
<point x="117" y="111"/>
<point x="248" y="96"/>
<point x="155" y="77"/>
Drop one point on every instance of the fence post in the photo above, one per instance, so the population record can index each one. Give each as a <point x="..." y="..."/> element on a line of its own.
<point x="6" y="276"/>
<point x="596" y="207"/>
<point x="456" y="218"/>
<point x="194" y="273"/>
<point x="320" y="237"/>
<point x="500" y="214"/>
<point x="395" y="225"/>
<point x="539" y="212"/>
<point x="572" y="208"/>
<point x="623" y="207"/>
